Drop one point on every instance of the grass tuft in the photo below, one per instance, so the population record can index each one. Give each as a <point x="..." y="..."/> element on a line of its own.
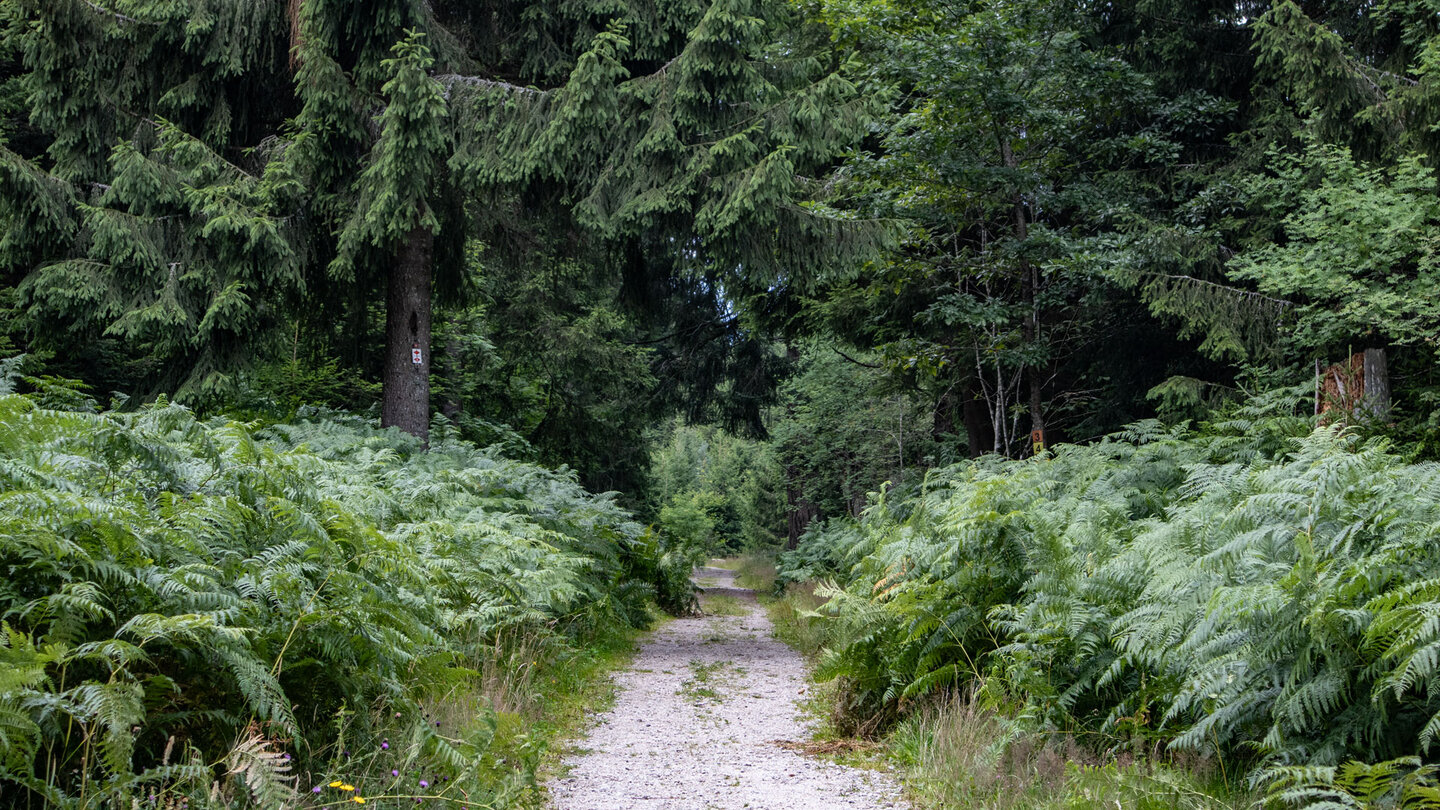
<point x="723" y="605"/>
<point x="793" y="615"/>
<point x="755" y="570"/>
<point x="956" y="753"/>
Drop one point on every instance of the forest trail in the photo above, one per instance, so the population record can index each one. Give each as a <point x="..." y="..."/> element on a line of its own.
<point x="697" y="719"/>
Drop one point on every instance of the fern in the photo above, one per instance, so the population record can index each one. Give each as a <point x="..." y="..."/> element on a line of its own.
<point x="264" y="771"/>
<point x="1397" y="783"/>
<point x="168" y="572"/>
<point x="1247" y="590"/>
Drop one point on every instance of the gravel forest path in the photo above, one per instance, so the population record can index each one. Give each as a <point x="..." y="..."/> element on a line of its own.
<point x="697" y="722"/>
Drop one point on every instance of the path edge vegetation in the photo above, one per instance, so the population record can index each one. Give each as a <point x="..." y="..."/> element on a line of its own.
<point x="1227" y="614"/>
<point x="209" y="613"/>
<point x="952" y="752"/>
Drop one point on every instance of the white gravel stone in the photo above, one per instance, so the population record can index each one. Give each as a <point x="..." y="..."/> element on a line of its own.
<point x="696" y="721"/>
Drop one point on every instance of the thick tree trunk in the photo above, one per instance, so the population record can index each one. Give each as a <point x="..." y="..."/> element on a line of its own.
<point x="451" y="406"/>
<point x="1358" y="387"/>
<point x="1038" y="440"/>
<point x="406" y="385"/>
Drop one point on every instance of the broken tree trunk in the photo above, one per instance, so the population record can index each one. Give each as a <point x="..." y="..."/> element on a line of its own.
<point x="1357" y="389"/>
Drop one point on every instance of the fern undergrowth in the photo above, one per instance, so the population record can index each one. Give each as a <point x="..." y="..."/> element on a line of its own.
<point x="1259" y="593"/>
<point x="208" y="614"/>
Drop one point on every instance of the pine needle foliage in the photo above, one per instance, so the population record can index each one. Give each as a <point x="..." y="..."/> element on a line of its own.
<point x="236" y="589"/>
<point x="1256" y="590"/>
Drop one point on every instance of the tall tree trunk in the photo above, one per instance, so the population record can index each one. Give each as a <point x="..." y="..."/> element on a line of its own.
<point x="976" y="414"/>
<point x="455" y="367"/>
<point x="942" y="426"/>
<point x="1031" y="332"/>
<point x="1030" y="290"/>
<point x="406" y="384"/>
<point x="799" y="510"/>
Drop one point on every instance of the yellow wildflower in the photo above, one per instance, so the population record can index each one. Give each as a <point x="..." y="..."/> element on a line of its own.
<point x="358" y="800"/>
<point x="347" y="787"/>
<point x="336" y="783"/>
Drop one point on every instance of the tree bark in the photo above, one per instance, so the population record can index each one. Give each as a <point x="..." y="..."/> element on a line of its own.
<point x="451" y="373"/>
<point x="1030" y="290"/>
<point x="942" y="426"/>
<point x="799" y="510"/>
<point x="406" y="383"/>
<point x="1377" y="384"/>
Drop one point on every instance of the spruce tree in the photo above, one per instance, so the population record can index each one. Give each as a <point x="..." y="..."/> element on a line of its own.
<point x="381" y="138"/>
<point x="143" y="230"/>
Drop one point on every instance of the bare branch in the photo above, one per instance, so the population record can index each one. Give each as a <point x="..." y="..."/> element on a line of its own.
<point x="449" y="80"/>
<point x="117" y="15"/>
<point x="1280" y="302"/>
<point x="853" y="360"/>
<point x="662" y="70"/>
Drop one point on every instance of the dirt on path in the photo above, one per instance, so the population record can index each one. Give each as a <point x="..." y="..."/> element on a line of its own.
<point x="697" y="719"/>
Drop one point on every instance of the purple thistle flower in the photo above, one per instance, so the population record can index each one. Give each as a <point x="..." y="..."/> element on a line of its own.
<point x="394" y="772"/>
<point x="384" y="746"/>
<point x="424" y="784"/>
<point x="316" y="789"/>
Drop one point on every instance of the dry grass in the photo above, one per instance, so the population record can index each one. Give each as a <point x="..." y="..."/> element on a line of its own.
<point x="543" y="692"/>
<point x="506" y="681"/>
<point x="756" y="572"/>
<point x="959" y="754"/>
<point x="508" y="676"/>
<point x="828" y="748"/>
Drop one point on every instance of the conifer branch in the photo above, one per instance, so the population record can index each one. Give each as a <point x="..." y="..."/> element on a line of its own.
<point x="691" y="332"/>
<point x="122" y="18"/>
<point x="1372" y="75"/>
<point x="1280" y="302"/>
<point x="661" y="71"/>
<point x="449" y="80"/>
